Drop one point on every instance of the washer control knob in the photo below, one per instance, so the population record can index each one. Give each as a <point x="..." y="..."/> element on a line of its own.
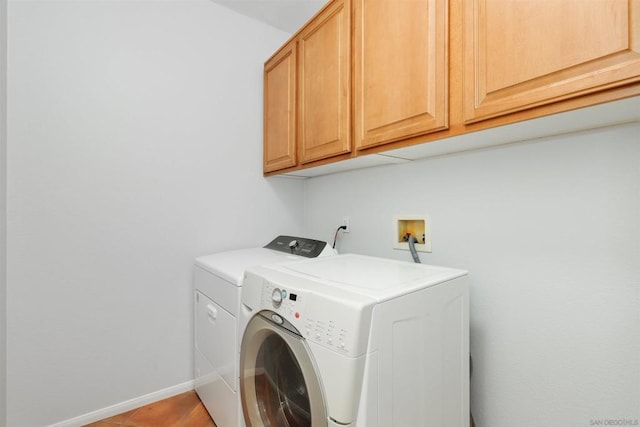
<point x="293" y="244"/>
<point x="276" y="297"/>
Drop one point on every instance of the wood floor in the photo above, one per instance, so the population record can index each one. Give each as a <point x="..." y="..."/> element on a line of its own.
<point x="183" y="410"/>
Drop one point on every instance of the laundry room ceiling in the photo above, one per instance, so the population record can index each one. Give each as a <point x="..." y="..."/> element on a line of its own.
<point x="287" y="15"/>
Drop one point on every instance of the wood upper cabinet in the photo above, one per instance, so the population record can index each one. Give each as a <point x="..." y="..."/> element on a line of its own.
<point x="280" y="109"/>
<point x="400" y="69"/>
<point x="526" y="53"/>
<point x="324" y="97"/>
<point x="307" y="93"/>
<point x="366" y="76"/>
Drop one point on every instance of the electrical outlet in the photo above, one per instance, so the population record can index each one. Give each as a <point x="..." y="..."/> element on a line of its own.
<point x="345" y="222"/>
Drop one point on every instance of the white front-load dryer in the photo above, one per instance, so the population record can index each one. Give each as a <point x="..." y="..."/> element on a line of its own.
<point x="218" y="282"/>
<point x="355" y="341"/>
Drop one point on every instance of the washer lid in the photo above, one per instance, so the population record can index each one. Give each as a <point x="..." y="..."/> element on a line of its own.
<point x="379" y="278"/>
<point x="231" y="265"/>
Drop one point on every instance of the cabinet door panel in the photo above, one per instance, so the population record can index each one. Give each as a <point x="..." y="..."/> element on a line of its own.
<point x="525" y="53"/>
<point x="324" y="79"/>
<point x="401" y="72"/>
<point x="280" y="110"/>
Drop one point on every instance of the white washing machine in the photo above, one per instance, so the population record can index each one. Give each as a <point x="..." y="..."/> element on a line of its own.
<point x="355" y="341"/>
<point x="217" y="282"/>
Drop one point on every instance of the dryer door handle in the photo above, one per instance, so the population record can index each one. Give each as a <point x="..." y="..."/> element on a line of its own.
<point x="212" y="313"/>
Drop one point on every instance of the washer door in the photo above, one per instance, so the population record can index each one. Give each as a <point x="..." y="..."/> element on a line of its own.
<point x="278" y="380"/>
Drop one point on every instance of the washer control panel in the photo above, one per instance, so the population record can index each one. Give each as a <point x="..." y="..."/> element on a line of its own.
<point x="289" y="304"/>
<point x="326" y="331"/>
<point x="327" y="323"/>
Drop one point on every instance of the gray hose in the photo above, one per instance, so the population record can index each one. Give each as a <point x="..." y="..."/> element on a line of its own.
<point x="412" y="247"/>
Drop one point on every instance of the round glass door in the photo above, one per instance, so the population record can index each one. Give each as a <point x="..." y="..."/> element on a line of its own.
<point x="278" y="381"/>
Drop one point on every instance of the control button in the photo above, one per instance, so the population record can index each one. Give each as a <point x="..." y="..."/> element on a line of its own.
<point x="297" y="315"/>
<point x="277" y="319"/>
<point x="293" y="244"/>
<point x="284" y="294"/>
<point x="276" y="298"/>
<point x="341" y="345"/>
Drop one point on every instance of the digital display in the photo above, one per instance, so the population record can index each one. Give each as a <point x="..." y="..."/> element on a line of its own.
<point x="293" y="297"/>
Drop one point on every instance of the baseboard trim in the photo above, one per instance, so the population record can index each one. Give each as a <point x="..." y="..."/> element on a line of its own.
<point x="125" y="406"/>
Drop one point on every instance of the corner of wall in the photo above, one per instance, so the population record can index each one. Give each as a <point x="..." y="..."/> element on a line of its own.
<point x="3" y="206"/>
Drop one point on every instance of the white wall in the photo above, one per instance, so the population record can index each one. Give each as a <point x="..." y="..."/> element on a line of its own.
<point x="3" y="207"/>
<point x="549" y="231"/>
<point x="135" y="132"/>
<point x="134" y="146"/>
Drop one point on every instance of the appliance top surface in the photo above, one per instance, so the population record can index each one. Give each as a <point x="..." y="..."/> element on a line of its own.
<point x="377" y="278"/>
<point x="231" y="265"/>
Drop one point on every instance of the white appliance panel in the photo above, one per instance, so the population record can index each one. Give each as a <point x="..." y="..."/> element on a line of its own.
<point x="215" y="393"/>
<point x="216" y="338"/>
<point x="341" y="377"/>
<point x="377" y="278"/>
<point x="333" y="318"/>
<point x="225" y="293"/>
<point x="420" y="374"/>
<point x="392" y="356"/>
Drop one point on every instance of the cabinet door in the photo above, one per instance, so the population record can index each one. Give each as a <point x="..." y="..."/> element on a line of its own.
<point x="401" y="72"/>
<point x="324" y="84"/>
<point x="525" y="53"/>
<point x="280" y="110"/>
